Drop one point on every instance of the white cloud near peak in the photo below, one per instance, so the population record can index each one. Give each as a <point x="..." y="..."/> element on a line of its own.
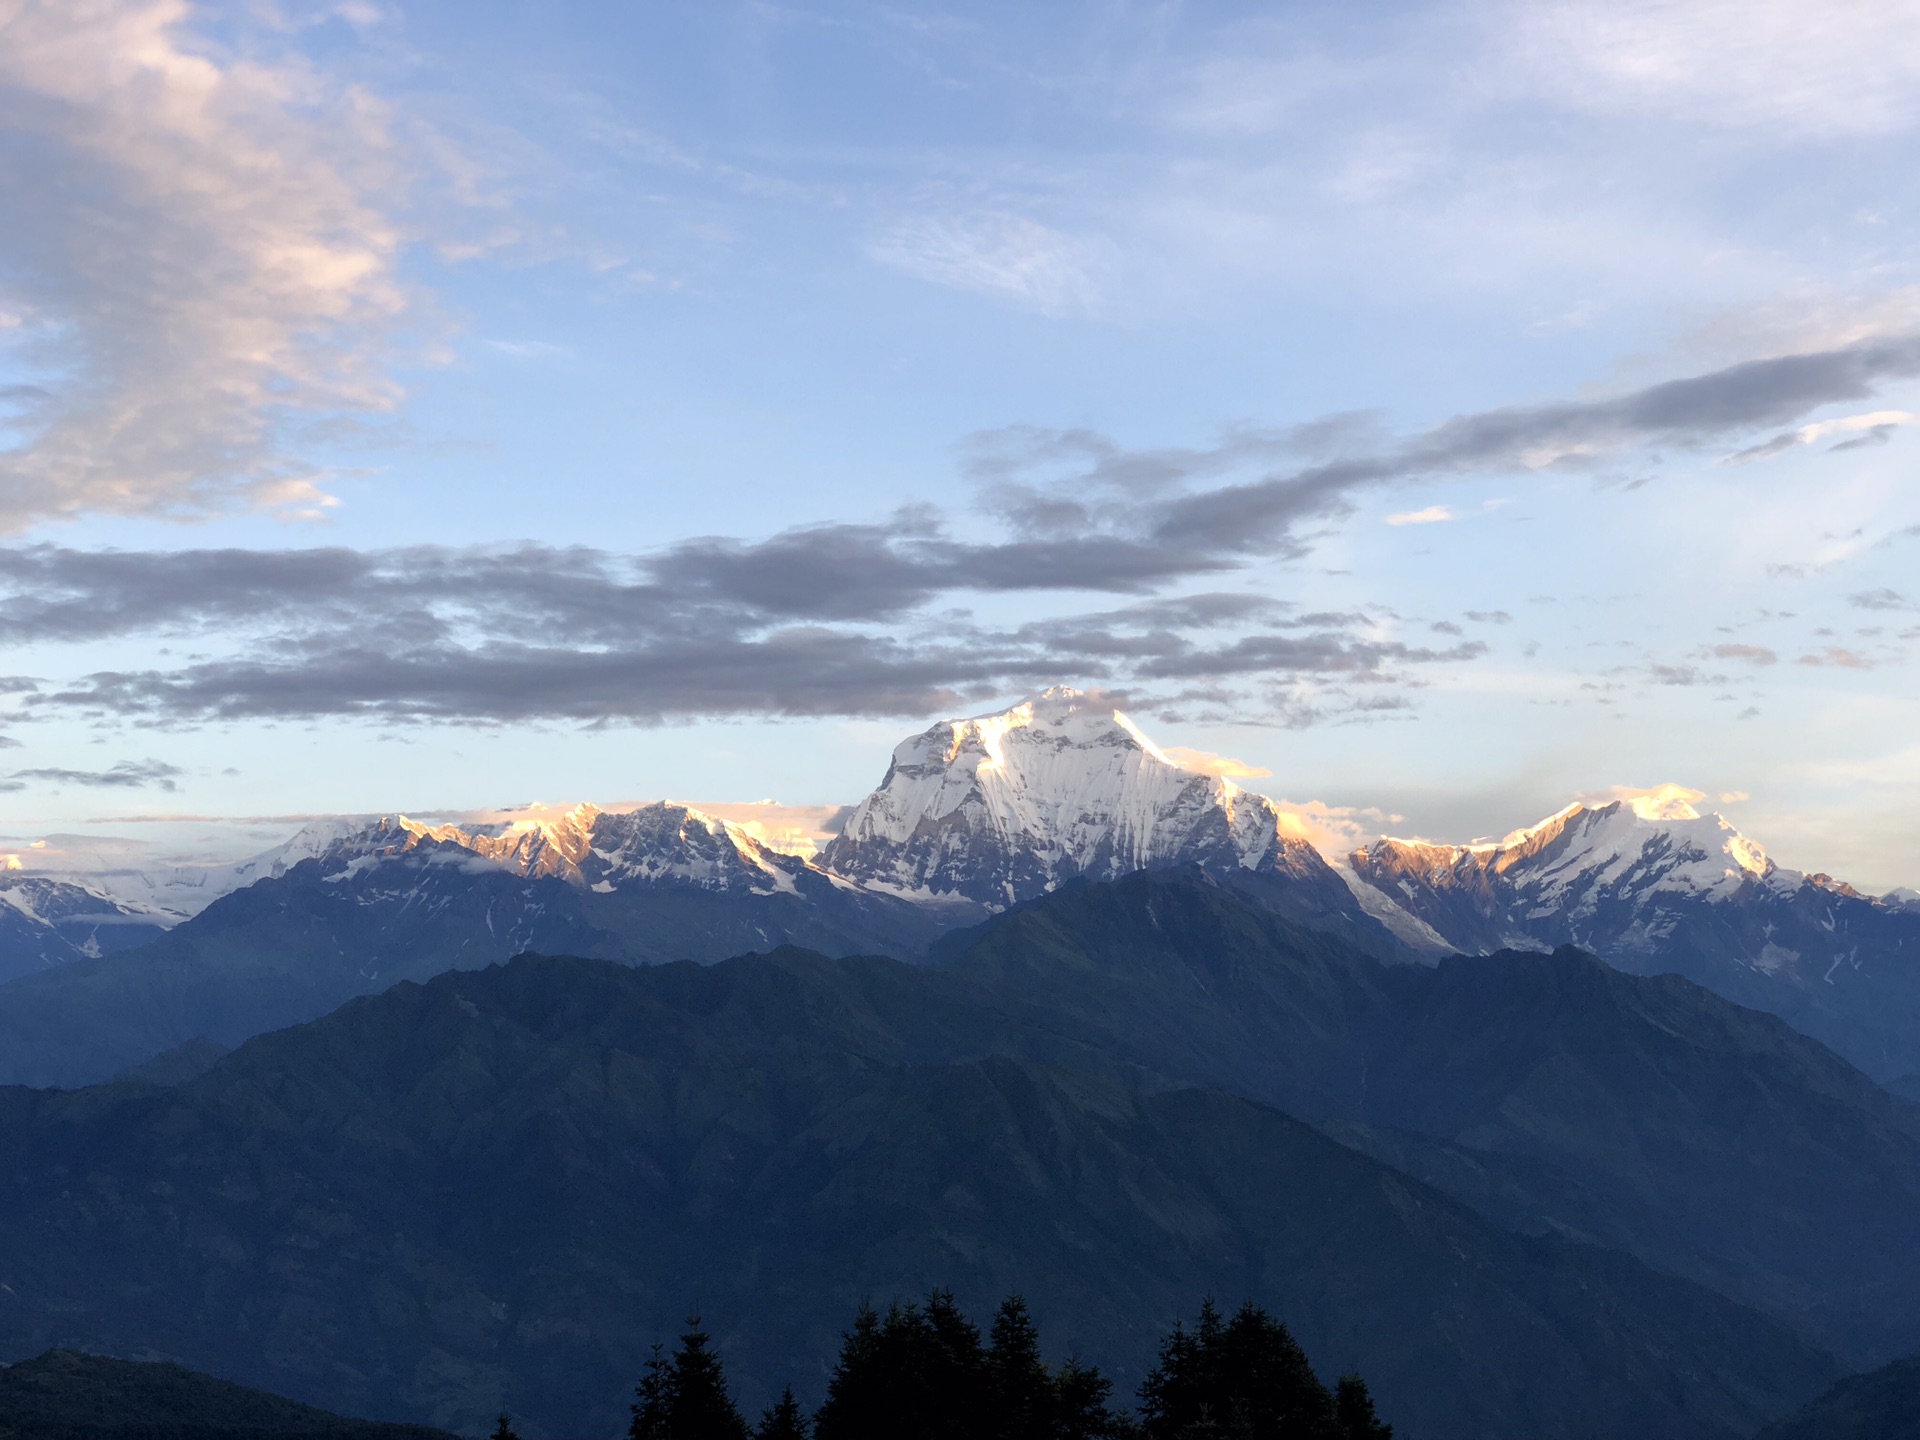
<point x="202" y="254"/>
<point x="1431" y="515"/>
<point x="1205" y="762"/>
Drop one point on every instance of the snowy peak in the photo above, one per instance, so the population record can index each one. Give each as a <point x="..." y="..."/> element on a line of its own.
<point x="1613" y="877"/>
<point x="534" y="845"/>
<point x="43" y="900"/>
<point x="667" y="843"/>
<point x="660" y="843"/>
<point x="998" y="808"/>
<point x="45" y="921"/>
<point x="1644" y="843"/>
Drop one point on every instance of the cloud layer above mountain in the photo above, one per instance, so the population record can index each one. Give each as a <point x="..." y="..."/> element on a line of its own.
<point x="838" y="619"/>
<point x="583" y="635"/>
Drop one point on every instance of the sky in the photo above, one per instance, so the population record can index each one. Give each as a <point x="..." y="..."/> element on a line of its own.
<point x="1432" y="412"/>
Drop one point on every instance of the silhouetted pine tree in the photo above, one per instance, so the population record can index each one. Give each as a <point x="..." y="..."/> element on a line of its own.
<point x="1353" y="1412"/>
<point x="1245" y="1377"/>
<point x="919" y="1372"/>
<point x="784" y="1421"/>
<point x="854" y="1407"/>
<point x="686" y="1398"/>
<point x="1021" y="1392"/>
<point x="701" y="1409"/>
<point x="1081" y="1411"/>
<point x="504" y="1430"/>
<point x="1176" y="1396"/>
<point x="955" y="1371"/>
<point x="652" y="1400"/>
<point x="1028" y="1401"/>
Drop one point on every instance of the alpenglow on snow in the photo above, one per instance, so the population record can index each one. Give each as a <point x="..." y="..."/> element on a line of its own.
<point x="1001" y="808"/>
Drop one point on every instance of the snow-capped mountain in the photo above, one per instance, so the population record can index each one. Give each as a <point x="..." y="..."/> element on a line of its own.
<point x="45" y="922"/>
<point x="1652" y="885"/>
<point x="1001" y="808"/>
<point x="974" y="815"/>
<point x="1609" y="867"/>
<point x="603" y="851"/>
<point x="132" y="877"/>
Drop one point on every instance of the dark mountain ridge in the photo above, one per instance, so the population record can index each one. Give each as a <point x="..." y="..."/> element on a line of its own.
<point x="1652" y="886"/>
<point x="1553" y="1092"/>
<point x="1882" y="1404"/>
<point x="63" y="1395"/>
<point x="970" y="816"/>
<point x="295" y="946"/>
<point x="448" y="1180"/>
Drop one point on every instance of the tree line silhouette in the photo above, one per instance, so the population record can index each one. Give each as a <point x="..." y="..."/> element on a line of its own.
<point x="923" y="1371"/>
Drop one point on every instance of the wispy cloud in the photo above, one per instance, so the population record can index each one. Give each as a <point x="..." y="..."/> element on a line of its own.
<point x="1838" y="657"/>
<point x="997" y="253"/>
<point x="1872" y="429"/>
<point x="1844" y="68"/>
<point x="1884" y="598"/>
<point x="1090" y="486"/>
<point x="200" y="257"/>
<point x="1751" y="654"/>
<point x="127" y="775"/>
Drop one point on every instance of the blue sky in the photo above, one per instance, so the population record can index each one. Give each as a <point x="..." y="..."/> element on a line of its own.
<point x="1448" y="409"/>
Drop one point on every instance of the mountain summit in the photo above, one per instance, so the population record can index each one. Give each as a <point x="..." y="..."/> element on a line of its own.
<point x="1608" y="865"/>
<point x="1001" y="808"/>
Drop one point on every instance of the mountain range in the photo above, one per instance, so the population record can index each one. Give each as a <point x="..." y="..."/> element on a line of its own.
<point x="1525" y="1194"/>
<point x="970" y="817"/>
<point x="416" y="1121"/>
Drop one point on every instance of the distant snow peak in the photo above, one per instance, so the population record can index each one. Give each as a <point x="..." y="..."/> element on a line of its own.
<point x="538" y="843"/>
<point x="668" y="841"/>
<point x="998" y="808"/>
<point x="590" y="848"/>
<point x="1622" y="865"/>
<point x="1651" y="840"/>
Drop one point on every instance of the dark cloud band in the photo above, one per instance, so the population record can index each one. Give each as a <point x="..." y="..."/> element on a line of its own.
<point x="839" y="619"/>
